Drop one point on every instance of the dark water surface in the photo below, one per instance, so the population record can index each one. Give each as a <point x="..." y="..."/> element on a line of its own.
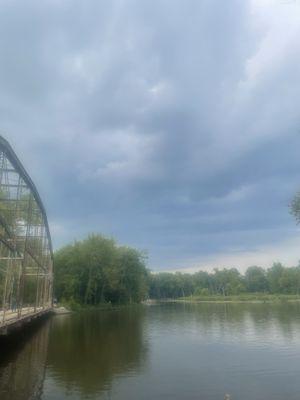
<point x="169" y="351"/>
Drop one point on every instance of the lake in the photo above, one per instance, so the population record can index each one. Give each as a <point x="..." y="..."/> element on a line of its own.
<point x="166" y="351"/>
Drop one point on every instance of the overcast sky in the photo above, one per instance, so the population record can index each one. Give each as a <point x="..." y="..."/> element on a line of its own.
<point x="171" y="125"/>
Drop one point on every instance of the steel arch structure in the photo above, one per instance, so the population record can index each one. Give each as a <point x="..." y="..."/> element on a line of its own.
<point x="26" y="256"/>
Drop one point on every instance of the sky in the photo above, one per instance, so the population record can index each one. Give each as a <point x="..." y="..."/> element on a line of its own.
<point x="173" y="126"/>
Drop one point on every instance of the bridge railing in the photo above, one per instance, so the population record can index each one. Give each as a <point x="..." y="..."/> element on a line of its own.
<point x="26" y="270"/>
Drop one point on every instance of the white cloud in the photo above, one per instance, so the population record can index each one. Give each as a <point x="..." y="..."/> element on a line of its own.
<point x="286" y="252"/>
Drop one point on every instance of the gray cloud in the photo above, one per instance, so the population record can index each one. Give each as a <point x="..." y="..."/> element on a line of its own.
<point x="172" y="125"/>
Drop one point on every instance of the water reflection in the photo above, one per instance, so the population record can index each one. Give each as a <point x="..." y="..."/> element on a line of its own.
<point x="86" y="351"/>
<point x="178" y="351"/>
<point x="22" y="364"/>
<point x="251" y="351"/>
<point x="277" y="322"/>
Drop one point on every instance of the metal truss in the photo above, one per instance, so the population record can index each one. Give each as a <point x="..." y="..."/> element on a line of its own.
<point x="26" y="257"/>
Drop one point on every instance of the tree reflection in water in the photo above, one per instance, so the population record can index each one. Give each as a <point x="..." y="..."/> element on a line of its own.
<point x="178" y="351"/>
<point x="87" y="350"/>
<point x="79" y="353"/>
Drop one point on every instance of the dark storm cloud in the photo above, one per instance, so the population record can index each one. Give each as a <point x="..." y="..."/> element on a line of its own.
<point x="171" y="125"/>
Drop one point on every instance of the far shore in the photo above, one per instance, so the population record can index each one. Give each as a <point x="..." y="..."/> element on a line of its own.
<point x="249" y="298"/>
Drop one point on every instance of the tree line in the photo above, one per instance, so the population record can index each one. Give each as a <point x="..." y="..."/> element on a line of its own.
<point x="226" y="282"/>
<point x="96" y="270"/>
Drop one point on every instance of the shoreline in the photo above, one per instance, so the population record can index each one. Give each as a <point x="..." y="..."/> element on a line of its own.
<point x="270" y="299"/>
<point x="238" y="301"/>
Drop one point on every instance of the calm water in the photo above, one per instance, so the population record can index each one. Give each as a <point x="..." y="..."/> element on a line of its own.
<point x="170" y="351"/>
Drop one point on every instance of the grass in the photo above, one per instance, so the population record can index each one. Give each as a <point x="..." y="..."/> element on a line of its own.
<point x="245" y="297"/>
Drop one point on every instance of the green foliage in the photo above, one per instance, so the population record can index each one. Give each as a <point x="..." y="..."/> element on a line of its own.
<point x="96" y="270"/>
<point x="202" y="292"/>
<point x="169" y="285"/>
<point x="228" y="283"/>
<point x="256" y="280"/>
<point x="274" y="275"/>
<point x="295" y="207"/>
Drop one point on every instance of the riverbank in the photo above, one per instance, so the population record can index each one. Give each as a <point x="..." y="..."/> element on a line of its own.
<point x="242" y="298"/>
<point x="70" y="307"/>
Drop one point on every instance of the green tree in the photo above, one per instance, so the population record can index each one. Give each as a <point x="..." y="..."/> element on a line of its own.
<point x="97" y="270"/>
<point x="295" y="207"/>
<point x="256" y="280"/>
<point x="228" y="281"/>
<point x="274" y="275"/>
